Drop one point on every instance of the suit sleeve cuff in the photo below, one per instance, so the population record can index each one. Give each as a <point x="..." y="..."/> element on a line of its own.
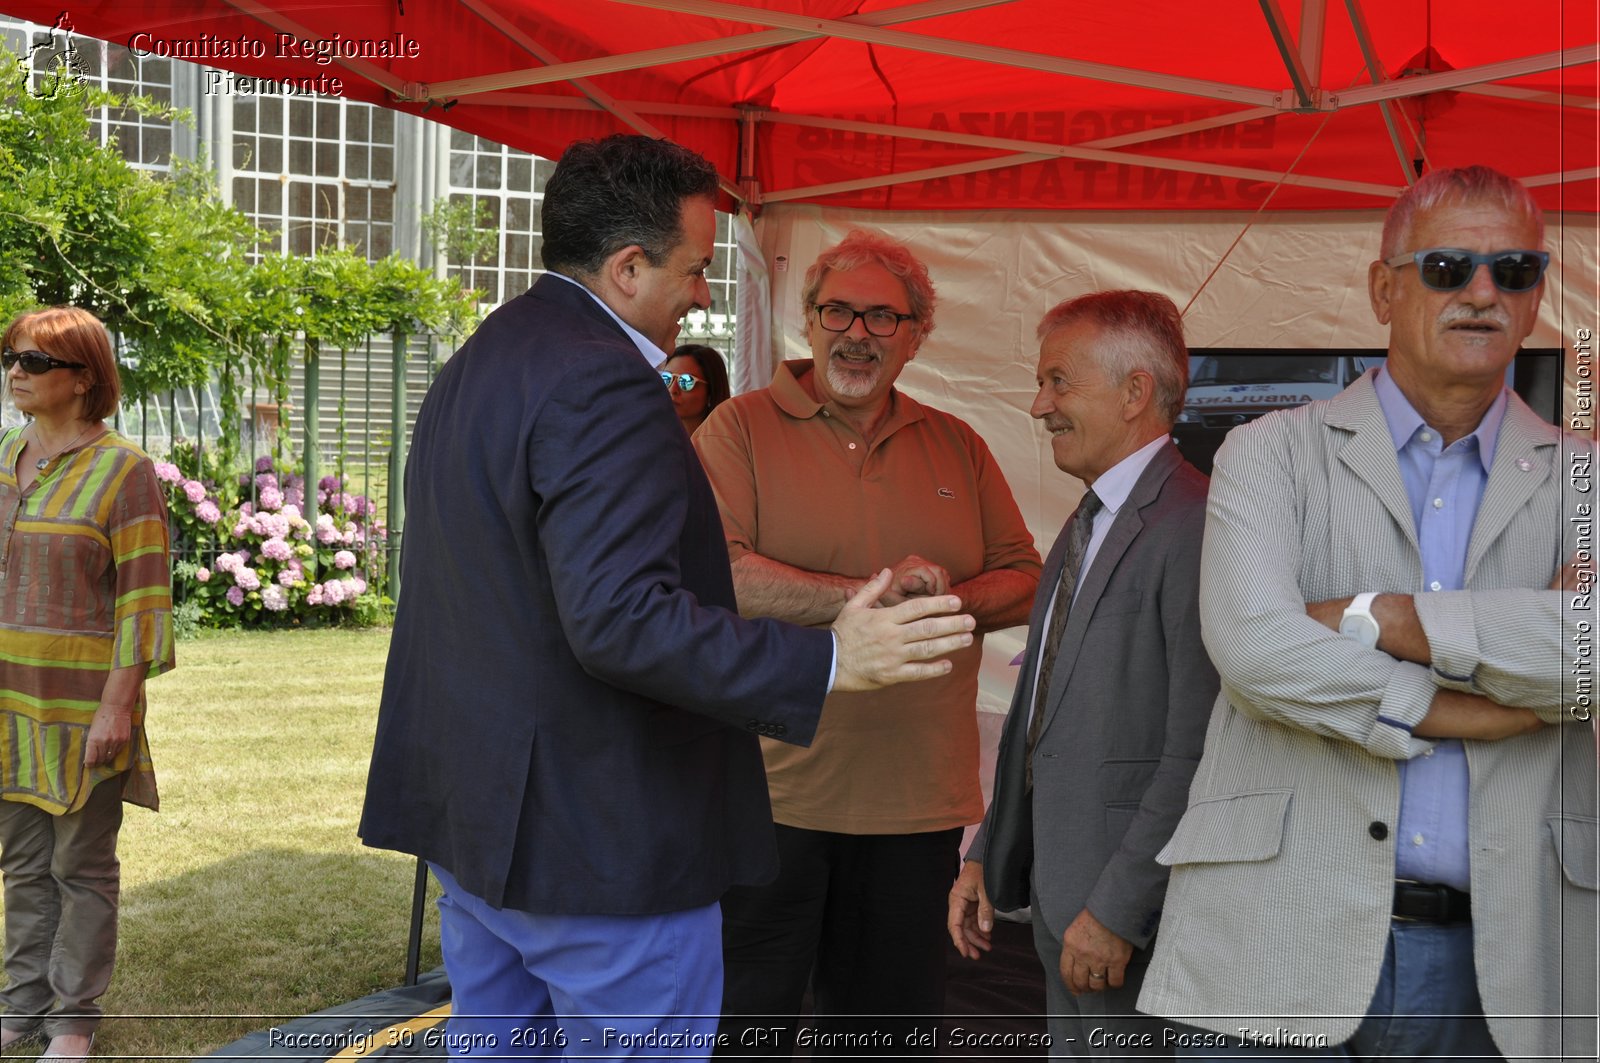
<point x="833" y="665"/>
<point x="1405" y="702"/>
<point x="1450" y="624"/>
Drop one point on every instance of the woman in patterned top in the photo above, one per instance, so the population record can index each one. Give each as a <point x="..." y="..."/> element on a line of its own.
<point x="85" y="618"/>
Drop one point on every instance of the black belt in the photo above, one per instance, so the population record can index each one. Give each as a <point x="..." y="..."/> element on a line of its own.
<point x="1425" y="902"/>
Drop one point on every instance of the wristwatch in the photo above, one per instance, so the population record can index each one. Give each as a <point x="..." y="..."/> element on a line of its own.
<point x="1358" y="622"/>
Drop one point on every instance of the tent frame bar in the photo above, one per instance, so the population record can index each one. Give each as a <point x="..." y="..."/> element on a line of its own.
<point x="623" y="112"/>
<point x="982" y="53"/>
<point x="623" y="61"/>
<point x="282" y="23"/>
<point x="1299" y="78"/>
<point x="1375" y="72"/>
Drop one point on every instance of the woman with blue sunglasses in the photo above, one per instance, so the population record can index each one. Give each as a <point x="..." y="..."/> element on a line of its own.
<point x="698" y="381"/>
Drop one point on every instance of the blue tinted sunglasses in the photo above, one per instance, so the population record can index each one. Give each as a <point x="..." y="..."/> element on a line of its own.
<point x="685" y="381"/>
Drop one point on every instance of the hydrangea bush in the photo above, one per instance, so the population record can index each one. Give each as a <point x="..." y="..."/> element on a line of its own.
<point x="245" y="555"/>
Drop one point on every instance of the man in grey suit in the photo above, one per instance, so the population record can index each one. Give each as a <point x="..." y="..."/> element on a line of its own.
<point x="1389" y="850"/>
<point x="1094" y="768"/>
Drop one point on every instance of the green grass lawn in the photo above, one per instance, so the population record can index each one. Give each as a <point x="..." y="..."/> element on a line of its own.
<point x="248" y="898"/>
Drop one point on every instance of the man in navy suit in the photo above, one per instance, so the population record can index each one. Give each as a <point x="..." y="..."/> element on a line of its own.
<point x="571" y="710"/>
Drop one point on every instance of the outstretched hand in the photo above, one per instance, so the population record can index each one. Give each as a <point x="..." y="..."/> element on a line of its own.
<point x="897" y="644"/>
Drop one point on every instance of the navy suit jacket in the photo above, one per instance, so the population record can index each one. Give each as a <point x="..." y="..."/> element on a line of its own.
<point x="571" y="708"/>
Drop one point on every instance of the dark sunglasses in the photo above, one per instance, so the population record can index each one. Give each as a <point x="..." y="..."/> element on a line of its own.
<point x="36" y="362"/>
<point x="685" y="381"/>
<point x="1447" y="269"/>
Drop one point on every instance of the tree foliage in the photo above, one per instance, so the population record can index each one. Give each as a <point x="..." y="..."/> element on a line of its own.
<point x="168" y="265"/>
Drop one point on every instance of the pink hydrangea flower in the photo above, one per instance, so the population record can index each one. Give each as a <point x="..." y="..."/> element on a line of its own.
<point x="247" y="578"/>
<point x="292" y="576"/>
<point x="202" y="575"/>
<point x="326" y="532"/>
<point x="275" y="598"/>
<point x="265" y="480"/>
<point x="235" y="596"/>
<point x="344" y="559"/>
<point x="227" y="562"/>
<point x="167" y="472"/>
<point x="277" y="550"/>
<point x="208" y="512"/>
<point x="333" y="592"/>
<point x="271" y="498"/>
<point x="194" y="490"/>
<point x="247" y="510"/>
<point x="357" y="585"/>
<point x="264" y="464"/>
<point x="294" y="496"/>
<point x="328" y="483"/>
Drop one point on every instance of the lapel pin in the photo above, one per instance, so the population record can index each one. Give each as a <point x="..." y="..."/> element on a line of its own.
<point x="1524" y="464"/>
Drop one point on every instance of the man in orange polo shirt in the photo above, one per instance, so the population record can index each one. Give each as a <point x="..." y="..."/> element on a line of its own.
<point x="822" y="479"/>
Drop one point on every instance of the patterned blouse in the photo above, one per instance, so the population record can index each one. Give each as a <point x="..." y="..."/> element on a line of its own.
<point x="85" y="587"/>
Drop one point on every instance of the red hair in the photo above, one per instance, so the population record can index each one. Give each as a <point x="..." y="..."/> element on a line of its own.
<point x="75" y="335"/>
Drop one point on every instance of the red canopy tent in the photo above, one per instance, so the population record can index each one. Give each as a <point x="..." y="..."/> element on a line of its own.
<point x="1024" y="116"/>
<point x="957" y="104"/>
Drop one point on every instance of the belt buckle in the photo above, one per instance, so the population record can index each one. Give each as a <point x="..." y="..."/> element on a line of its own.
<point x="1421" y="894"/>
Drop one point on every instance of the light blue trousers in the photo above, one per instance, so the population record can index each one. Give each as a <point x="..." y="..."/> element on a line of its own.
<point x="525" y="985"/>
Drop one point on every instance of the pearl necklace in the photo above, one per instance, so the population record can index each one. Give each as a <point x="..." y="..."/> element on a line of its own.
<point x="48" y="458"/>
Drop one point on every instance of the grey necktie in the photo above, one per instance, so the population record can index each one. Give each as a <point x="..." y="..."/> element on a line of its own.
<point x="1078" y="536"/>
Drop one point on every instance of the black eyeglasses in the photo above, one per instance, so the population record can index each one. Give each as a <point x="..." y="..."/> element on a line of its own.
<point x="880" y="322"/>
<point x="685" y="381"/>
<point x="36" y="362"/>
<point x="1448" y="269"/>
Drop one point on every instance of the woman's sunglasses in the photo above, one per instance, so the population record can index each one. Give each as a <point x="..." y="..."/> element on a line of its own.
<point x="36" y="362"/>
<point x="1449" y="269"/>
<point x="685" y="381"/>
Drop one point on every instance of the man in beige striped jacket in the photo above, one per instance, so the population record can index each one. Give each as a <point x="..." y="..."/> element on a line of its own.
<point x="1390" y="845"/>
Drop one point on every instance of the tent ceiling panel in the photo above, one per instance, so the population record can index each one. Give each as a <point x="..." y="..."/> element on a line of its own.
<point x="959" y="104"/>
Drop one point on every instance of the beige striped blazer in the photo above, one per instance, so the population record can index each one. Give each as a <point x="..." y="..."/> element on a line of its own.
<point x="1278" y="906"/>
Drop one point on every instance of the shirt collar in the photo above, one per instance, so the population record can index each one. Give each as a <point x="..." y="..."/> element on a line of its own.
<point x="793" y="396"/>
<point x="652" y="354"/>
<point x="1404" y="420"/>
<point x="1115" y="484"/>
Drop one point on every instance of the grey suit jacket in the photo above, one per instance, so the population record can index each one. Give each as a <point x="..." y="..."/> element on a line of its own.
<point x="1282" y="867"/>
<point x="1126" y="713"/>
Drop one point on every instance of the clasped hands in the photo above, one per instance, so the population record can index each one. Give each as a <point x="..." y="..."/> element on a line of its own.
<point x="881" y="643"/>
<point x="915" y="577"/>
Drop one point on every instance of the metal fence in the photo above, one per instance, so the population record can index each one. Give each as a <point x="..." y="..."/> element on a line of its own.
<point x="343" y="410"/>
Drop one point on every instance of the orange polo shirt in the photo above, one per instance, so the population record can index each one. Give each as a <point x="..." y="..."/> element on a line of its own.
<point x="800" y="486"/>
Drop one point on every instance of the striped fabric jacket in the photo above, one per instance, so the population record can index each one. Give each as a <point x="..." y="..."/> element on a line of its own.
<point x="85" y="587"/>
<point x="1279" y="902"/>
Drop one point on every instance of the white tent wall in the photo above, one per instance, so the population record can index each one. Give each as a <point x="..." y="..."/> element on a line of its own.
<point x="1293" y="281"/>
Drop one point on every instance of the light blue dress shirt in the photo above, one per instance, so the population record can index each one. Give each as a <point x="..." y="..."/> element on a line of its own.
<point x="1444" y="486"/>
